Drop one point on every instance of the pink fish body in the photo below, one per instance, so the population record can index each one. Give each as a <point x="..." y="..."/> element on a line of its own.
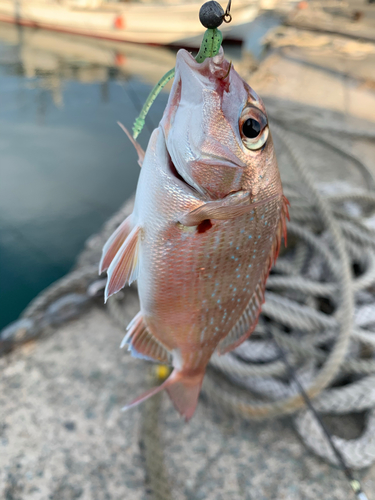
<point x="206" y="227"/>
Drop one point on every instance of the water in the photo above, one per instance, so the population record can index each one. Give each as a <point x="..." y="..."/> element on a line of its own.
<point x="65" y="165"/>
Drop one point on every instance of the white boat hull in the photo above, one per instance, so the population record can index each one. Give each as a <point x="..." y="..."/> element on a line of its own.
<point x="133" y="22"/>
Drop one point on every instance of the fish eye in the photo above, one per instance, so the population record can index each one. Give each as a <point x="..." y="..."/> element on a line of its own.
<point x="253" y="128"/>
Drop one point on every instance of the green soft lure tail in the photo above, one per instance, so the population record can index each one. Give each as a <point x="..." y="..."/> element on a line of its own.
<point x="210" y="47"/>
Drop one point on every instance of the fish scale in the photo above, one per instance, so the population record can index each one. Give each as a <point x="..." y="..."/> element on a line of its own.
<point x="206" y="227"/>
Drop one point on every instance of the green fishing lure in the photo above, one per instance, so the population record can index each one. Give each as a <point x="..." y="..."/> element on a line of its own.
<point x="210" y="47"/>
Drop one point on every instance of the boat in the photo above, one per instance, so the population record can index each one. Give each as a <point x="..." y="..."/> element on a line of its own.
<point x="164" y="23"/>
<point x="46" y="53"/>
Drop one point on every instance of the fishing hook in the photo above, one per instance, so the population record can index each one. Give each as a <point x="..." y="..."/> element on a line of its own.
<point x="227" y="17"/>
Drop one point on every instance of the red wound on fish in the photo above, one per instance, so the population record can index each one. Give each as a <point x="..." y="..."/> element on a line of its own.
<point x="204" y="226"/>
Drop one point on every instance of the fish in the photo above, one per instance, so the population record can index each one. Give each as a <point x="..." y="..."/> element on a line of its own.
<point x="206" y="228"/>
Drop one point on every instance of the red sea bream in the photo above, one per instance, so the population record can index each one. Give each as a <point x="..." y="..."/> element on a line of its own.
<point x="207" y="223"/>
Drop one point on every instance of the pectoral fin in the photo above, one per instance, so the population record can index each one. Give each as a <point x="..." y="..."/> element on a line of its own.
<point x="228" y="208"/>
<point x="124" y="267"/>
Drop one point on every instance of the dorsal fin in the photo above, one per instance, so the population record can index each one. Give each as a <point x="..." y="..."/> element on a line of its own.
<point x="249" y="319"/>
<point x="142" y="343"/>
<point x="138" y="147"/>
<point x="124" y="267"/>
<point x="114" y="243"/>
<point x="247" y="322"/>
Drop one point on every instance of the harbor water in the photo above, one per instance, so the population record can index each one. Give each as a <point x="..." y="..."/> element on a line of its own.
<point x="65" y="165"/>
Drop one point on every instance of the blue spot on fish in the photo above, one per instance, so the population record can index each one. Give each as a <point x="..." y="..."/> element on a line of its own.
<point x="250" y="236"/>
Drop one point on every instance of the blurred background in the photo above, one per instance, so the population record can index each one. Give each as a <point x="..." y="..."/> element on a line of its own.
<point x="69" y="71"/>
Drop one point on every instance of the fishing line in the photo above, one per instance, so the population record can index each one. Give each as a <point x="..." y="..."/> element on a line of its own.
<point x="227" y="15"/>
<point x="353" y="482"/>
<point x="137" y="103"/>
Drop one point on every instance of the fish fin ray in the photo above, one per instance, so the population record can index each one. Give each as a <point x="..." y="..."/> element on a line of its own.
<point x="143" y="343"/>
<point x="147" y="394"/>
<point x="232" y="206"/>
<point x="125" y="266"/>
<point x="138" y="147"/>
<point x="184" y="394"/>
<point x="284" y="217"/>
<point x="113" y="244"/>
<point x="183" y="391"/>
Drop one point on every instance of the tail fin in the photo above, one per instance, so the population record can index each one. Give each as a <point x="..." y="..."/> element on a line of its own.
<point x="184" y="394"/>
<point x="183" y="391"/>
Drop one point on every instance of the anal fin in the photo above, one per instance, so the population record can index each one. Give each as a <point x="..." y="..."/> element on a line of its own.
<point x="142" y="343"/>
<point x="124" y="267"/>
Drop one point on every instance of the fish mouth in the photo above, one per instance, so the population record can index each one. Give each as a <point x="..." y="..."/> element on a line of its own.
<point x="214" y="62"/>
<point x="176" y="174"/>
